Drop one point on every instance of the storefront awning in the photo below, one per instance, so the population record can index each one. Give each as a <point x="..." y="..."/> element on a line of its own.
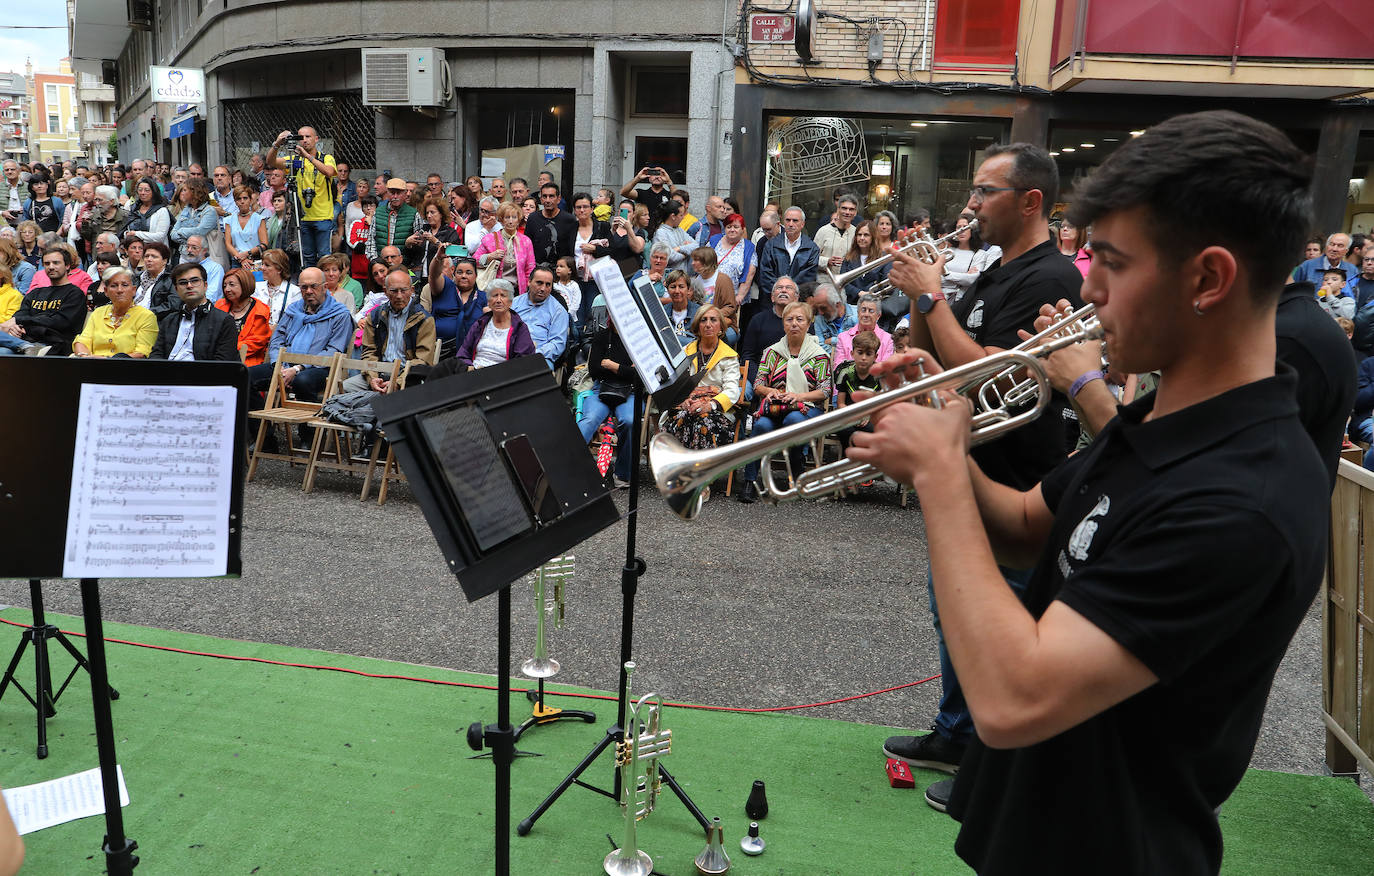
<point x="181" y="126"/>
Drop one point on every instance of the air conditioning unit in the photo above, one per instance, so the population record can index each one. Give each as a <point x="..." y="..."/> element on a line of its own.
<point x="405" y="77"/>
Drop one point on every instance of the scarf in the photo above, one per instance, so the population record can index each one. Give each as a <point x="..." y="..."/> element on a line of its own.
<point x="796" y="372"/>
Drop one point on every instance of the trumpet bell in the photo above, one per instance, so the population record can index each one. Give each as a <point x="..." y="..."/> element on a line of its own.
<point x="636" y="864"/>
<point x="536" y="667"/>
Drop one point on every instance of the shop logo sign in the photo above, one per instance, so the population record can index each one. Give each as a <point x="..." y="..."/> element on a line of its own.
<point x="812" y="153"/>
<point x="177" y="84"/>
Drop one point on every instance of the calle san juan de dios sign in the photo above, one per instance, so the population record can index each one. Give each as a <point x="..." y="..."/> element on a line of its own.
<point x="177" y="84"/>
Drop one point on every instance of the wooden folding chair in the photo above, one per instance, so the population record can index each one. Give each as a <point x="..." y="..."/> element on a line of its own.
<point x="280" y="408"/>
<point x="391" y="469"/>
<point x="341" y="434"/>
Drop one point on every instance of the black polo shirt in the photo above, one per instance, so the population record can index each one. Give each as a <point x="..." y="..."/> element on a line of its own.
<point x="1310" y="341"/>
<point x="1197" y="541"/>
<point x="656" y="201"/>
<point x="1004" y="298"/>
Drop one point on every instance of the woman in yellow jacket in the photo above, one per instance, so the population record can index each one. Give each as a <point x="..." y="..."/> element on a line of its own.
<point x="120" y="328"/>
<point x="10" y="297"/>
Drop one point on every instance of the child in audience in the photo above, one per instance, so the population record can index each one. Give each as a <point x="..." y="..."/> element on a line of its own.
<point x="1332" y="297"/>
<point x="900" y="338"/>
<point x="565" y="282"/>
<point x="1347" y="326"/>
<point x="856" y="374"/>
<point x="362" y="246"/>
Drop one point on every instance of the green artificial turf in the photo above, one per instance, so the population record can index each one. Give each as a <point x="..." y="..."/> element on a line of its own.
<point x="246" y="768"/>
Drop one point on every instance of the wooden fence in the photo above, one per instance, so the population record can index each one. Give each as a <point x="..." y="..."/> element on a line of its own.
<point x="1348" y="625"/>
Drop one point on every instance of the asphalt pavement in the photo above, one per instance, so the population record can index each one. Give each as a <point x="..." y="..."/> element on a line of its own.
<point x="747" y="606"/>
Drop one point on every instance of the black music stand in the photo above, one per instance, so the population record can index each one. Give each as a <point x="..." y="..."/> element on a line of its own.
<point x="36" y="497"/>
<point x="44" y="699"/>
<point x="505" y="482"/>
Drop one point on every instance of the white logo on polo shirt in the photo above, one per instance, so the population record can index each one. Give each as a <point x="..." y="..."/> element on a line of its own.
<point x="1083" y="533"/>
<point x="975" y="316"/>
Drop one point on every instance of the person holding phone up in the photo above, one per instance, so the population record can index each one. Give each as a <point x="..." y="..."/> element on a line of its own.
<point x="657" y="197"/>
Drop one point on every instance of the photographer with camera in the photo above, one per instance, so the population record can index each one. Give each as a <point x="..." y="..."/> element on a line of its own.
<point x="658" y="197"/>
<point x="313" y="177"/>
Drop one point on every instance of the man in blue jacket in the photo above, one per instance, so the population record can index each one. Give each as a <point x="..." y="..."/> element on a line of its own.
<point x="317" y="325"/>
<point x="1310" y="271"/>
<point x="789" y="254"/>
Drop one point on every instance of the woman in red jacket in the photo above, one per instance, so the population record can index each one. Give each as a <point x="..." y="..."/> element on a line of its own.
<point x="250" y="315"/>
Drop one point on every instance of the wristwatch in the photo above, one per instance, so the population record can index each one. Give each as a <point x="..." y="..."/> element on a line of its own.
<point x="926" y="302"/>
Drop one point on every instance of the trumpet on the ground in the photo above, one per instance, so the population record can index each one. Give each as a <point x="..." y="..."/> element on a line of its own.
<point x="999" y="384"/>
<point x="637" y="757"/>
<point x="923" y="248"/>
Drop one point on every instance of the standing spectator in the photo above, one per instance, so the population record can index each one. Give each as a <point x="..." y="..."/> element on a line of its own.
<point x="519" y="190"/>
<point x="713" y="223"/>
<point x="835" y="237"/>
<point x="353" y="211"/>
<point x="1310" y="271"/>
<point x="257" y="166"/>
<point x="252" y="318"/>
<point x="863" y="250"/>
<point x="42" y="207"/>
<point x="680" y="244"/>
<point x="1071" y="241"/>
<point x="245" y="234"/>
<point x="149" y="218"/>
<point x="452" y="296"/>
<point x="511" y="249"/>
<point x="791" y="253"/>
<point x="11" y="194"/>
<point x="498" y="190"/>
<point x="657" y="269"/>
<point x="434" y="187"/>
<point x="770" y="223"/>
<point x="346" y="187"/>
<point x="657" y="196"/>
<point x="1363" y="290"/>
<point x="551" y="230"/>
<point x="196" y="170"/>
<point x="276" y="221"/>
<point x="969" y="258"/>
<point x="432" y="232"/>
<point x="276" y="183"/>
<point x="462" y="209"/>
<point x="314" y="190"/>
<point x="50" y="316"/>
<point x="361" y="243"/>
<point x="196" y="219"/>
<point x="591" y="241"/>
<point x="21" y="270"/>
<point x="628" y="237"/>
<point x="223" y="193"/>
<point x="474" y="186"/>
<point x="735" y="257"/>
<point x="485" y="223"/>
<point x="395" y="218"/>
<point x="120" y="328"/>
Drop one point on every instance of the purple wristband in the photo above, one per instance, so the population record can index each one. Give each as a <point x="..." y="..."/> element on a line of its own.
<point x="1083" y="381"/>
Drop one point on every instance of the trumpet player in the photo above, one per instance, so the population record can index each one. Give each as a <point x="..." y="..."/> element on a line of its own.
<point x="1013" y="192"/>
<point x="1118" y="702"/>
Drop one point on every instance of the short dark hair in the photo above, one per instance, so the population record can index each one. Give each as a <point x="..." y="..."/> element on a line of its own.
<point x="549" y="185"/>
<point x="60" y="248"/>
<point x="1329" y="271"/>
<point x="580" y="196"/>
<point x="865" y="342"/>
<point x="188" y="267"/>
<point x="544" y="266"/>
<point x="1357" y="241"/>
<point x="1210" y="178"/>
<point x="159" y="247"/>
<point x="1031" y="168"/>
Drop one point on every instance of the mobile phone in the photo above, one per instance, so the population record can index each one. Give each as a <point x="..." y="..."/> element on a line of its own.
<point x="455" y="249"/>
<point x="624" y="212"/>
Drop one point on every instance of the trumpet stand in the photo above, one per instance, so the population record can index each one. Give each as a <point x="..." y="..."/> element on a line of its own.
<point x="559" y="571"/>
<point x="629" y="584"/>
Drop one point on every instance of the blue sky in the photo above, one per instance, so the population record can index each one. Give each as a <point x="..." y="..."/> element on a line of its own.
<point x="45" y="47"/>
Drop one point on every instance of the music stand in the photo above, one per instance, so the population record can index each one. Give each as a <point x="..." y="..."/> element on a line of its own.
<point x="84" y="489"/>
<point x="505" y="482"/>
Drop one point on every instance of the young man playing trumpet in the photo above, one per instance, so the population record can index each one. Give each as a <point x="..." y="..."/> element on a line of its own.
<point x="1118" y="703"/>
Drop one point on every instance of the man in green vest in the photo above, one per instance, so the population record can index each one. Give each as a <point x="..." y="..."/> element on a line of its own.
<point x="395" y="217"/>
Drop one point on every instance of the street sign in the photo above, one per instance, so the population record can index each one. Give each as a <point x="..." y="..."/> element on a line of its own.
<point x="771" y="27"/>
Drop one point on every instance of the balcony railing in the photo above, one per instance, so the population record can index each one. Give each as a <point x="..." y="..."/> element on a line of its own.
<point x="1229" y="29"/>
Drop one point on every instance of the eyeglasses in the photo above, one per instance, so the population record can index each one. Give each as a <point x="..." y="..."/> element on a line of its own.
<point x="188" y="283"/>
<point x="980" y="193"/>
<point x="398" y="291"/>
<point x="305" y="286"/>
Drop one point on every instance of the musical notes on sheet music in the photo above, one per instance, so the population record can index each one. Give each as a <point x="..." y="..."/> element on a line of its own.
<point x="152" y="480"/>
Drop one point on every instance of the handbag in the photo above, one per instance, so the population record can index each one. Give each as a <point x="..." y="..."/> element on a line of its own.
<point x="488" y="272"/>
<point x="615" y="392"/>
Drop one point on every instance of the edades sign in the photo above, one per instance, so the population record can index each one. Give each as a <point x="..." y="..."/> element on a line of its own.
<point x="177" y="84"/>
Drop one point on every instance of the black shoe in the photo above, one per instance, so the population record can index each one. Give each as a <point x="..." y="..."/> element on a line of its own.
<point x="749" y="493"/>
<point x="937" y="795"/>
<point x="932" y="751"/>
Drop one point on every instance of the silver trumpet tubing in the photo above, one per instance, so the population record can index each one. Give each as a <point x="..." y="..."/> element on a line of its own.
<point x="682" y="475"/>
<point x="552" y="576"/>
<point x="923" y="248"/>
<point x="637" y="757"/>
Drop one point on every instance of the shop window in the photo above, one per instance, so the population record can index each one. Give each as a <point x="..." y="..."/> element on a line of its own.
<point x="976" y="33"/>
<point x="660" y="91"/>
<point x="669" y="153"/>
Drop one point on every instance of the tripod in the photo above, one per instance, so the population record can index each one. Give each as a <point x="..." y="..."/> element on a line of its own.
<point x="44" y="700"/>
<point x="629" y="584"/>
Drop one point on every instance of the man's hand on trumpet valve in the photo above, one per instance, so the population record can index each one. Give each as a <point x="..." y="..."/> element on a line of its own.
<point x="912" y="275"/>
<point x="909" y="441"/>
<point x="1065" y="366"/>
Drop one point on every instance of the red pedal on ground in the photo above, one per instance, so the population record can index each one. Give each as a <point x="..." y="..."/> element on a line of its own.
<point x="899" y="774"/>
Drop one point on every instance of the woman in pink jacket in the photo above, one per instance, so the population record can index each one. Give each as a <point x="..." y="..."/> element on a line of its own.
<point x="510" y="247"/>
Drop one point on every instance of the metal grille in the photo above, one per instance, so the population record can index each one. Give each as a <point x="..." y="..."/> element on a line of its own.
<point x="347" y="129"/>
<point x="387" y="76"/>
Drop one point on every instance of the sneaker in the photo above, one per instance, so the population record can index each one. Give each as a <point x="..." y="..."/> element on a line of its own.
<point x="937" y="795"/>
<point x="749" y="493"/>
<point x="931" y="752"/>
<point x="621" y="484"/>
<point x="37" y="349"/>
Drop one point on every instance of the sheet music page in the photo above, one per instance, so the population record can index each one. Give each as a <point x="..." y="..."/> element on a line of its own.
<point x="48" y="804"/>
<point x="152" y="478"/>
<point x="634" y="331"/>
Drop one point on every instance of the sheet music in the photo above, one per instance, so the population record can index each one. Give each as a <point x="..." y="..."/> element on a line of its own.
<point x="152" y="479"/>
<point x="633" y="327"/>
<point x="48" y="804"/>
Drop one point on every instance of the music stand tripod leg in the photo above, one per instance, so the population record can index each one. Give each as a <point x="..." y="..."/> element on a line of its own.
<point x="120" y="859"/>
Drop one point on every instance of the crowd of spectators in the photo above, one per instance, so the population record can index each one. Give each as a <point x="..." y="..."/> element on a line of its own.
<point x="294" y="254"/>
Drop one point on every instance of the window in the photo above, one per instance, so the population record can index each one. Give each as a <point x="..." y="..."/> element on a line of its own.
<point x="660" y="92"/>
<point x="977" y="32"/>
<point x="54" y="126"/>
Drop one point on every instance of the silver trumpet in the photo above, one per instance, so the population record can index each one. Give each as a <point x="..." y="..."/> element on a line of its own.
<point x="923" y="248"/>
<point x="556" y="572"/>
<point x="682" y="475"/>
<point x="645" y="742"/>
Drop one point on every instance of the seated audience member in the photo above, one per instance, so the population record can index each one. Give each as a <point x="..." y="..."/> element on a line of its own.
<point x="197" y="332"/>
<point x="793" y="382"/>
<point x="275" y="288"/>
<point x="132" y="253"/>
<point x="119" y="328"/>
<point x="657" y="270"/>
<point x="50" y="316"/>
<point x="499" y="334"/>
<point x="338" y="284"/>
<point x="681" y="308"/>
<point x="20" y="270"/>
<point x="451" y="296"/>
<point x="609" y="365"/>
<point x="833" y="316"/>
<point x="196" y="251"/>
<point x="869" y="306"/>
<point x="314" y="325"/>
<point x="95" y="293"/>
<point x="719" y="289"/>
<point x="901" y="339"/>
<point x="764" y="329"/>
<point x="1337" y="247"/>
<point x="509" y="248"/>
<point x="1331" y="294"/>
<point x="155" y="290"/>
<point x="77" y="276"/>
<point x="10" y="296"/>
<point x="361" y="243"/>
<point x="854" y="375"/>
<point x="546" y="319"/>
<point x="251" y="317"/>
<point x="402" y="331"/>
<point x="706" y="418"/>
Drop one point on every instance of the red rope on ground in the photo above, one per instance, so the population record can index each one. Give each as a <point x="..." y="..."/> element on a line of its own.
<point x="585" y="696"/>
